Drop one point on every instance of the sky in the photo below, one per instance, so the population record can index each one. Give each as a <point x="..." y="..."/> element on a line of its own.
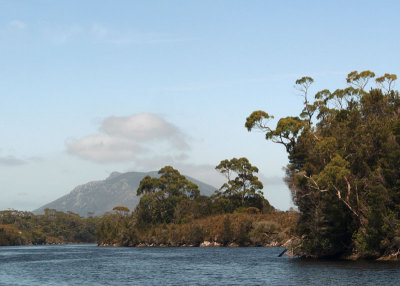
<point x="92" y="87"/>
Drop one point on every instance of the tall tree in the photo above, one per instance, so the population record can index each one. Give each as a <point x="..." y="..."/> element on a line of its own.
<point x="343" y="169"/>
<point x="162" y="195"/>
<point x="241" y="178"/>
<point x="170" y="184"/>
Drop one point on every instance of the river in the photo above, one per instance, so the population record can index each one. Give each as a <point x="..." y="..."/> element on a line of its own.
<point x="92" y="265"/>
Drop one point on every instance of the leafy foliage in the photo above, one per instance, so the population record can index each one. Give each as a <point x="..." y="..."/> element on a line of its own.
<point x="344" y="168"/>
<point x="171" y="210"/>
<point x="241" y="179"/>
<point x="18" y="227"/>
<point x="162" y="195"/>
<point x="237" y="229"/>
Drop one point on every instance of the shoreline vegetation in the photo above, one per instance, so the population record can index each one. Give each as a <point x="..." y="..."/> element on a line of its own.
<point x="225" y="230"/>
<point x="344" y="166"/>
<point x="171" y="212"/>
<point x="343" y="173"/>
<point x="239" y="229"/>
<point x="52" y="227"/>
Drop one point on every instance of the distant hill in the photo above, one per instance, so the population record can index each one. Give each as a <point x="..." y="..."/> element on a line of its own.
<point x="98" y="197"/>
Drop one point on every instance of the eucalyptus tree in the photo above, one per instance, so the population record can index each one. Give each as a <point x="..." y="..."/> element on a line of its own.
<point x="241" y="179"/>
<point x="344" y="168"/>
<point x="160" y="196"/>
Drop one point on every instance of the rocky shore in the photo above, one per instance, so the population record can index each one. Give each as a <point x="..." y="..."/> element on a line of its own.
<point x="205" y="243"/>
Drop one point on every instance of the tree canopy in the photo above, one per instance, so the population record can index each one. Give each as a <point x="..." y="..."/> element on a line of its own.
<point x="344" y="165"/>
<point x="162" y="195"/>
<point x="170" y="184"/>
<point x="241" y="178"/>
<point x="19" y="227"/>
<point x="172" y="212"/>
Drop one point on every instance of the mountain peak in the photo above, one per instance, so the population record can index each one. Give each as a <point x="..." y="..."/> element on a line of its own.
<point x="113" y="175"/>
<point x="99" y="197"/>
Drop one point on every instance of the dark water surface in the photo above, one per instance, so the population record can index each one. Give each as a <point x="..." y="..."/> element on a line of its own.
<point x="91" y="265"/>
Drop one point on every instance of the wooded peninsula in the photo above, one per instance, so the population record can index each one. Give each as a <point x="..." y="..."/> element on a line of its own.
<point x="343" y="173"/>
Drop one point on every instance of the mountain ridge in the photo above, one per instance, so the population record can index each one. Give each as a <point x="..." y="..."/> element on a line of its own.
<point x="98" y="197"/>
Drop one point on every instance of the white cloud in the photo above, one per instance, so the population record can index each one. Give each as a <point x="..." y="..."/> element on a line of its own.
<point x="16" y="24"/>
<point x="144" y="127"/>
<point x="131" y="138"/>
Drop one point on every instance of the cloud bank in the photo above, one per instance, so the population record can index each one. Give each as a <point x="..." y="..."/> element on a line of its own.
<point x="130" y="138"/>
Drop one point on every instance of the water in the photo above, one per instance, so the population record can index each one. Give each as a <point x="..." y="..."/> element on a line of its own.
<point x="91" y="265"/>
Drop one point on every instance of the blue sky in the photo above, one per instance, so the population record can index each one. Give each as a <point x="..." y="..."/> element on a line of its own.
<point x="180" y="77"/>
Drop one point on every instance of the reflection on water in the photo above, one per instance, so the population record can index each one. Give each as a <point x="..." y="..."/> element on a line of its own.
<point x="91" y="265"/>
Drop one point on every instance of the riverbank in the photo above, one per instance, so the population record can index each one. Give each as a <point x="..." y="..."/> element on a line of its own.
<point x="237" y="229"/>
<point x="52" y="227"/>
<point x="203" y="244"/>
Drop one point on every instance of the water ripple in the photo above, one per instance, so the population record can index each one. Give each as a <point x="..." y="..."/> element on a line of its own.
<point x="91" y="265"/>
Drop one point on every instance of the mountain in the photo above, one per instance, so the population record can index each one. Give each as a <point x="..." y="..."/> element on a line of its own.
<point x="98" y="197"/>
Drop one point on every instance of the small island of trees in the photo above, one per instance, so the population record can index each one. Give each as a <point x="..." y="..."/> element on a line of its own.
<point x="171" y="212"/>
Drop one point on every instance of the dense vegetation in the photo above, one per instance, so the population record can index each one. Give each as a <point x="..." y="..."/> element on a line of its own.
<point x="232" y="229"/>
<point x="344" y="167"/>
<point x="19" y="228"/>
<point x="172" y="212"/>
